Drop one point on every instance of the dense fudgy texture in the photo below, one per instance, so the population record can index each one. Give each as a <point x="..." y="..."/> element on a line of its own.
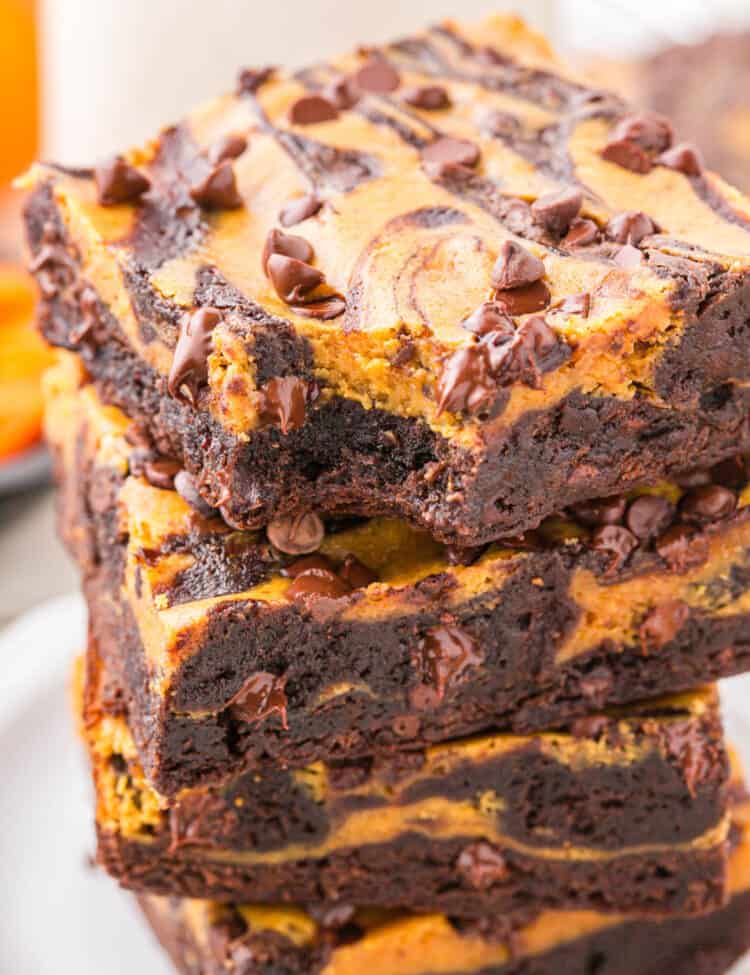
<point x="658" y="366"/>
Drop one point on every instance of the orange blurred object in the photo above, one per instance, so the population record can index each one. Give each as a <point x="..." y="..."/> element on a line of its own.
<point x="24" y="359"/>
<point x="19" y="100"/>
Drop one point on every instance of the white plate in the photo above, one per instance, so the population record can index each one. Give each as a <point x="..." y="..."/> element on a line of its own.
<point x="58" y="916"/>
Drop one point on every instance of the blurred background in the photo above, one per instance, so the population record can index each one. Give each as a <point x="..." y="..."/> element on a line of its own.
<point x="80" y="79"/>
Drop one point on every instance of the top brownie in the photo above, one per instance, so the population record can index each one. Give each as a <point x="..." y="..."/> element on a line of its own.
<point x="442" y="279"/>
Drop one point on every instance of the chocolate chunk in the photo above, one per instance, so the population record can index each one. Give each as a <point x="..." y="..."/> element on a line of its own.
<point x="556" y="211"/>
<point x="533" y="350"/>
<point x="628" y="155"/>
<point x="299" y="566"/>
<point x="229" y="146"/>
<point x="190" y="362"/>
<point x="288" y="245"/>
<point x="218" y="190"/>
<point x="649" y="130"/>
<point x="524" y="301"/>
<point x="311" y="109"/>
<point x="489" y="317"/>
<point x="581" y="233"/>
<point x="464" y="382"/>
<point x="295" y="211"/>
<point x="292" y="279"/>
<point x="696" y="759"/>
<point x="662" y="624"/>
<point x="630" y="227"/>
<point x="446" y="154"/>
<point x="377" y="76"/>
<point x="603" y="511"/>
<point x="342" y="93"/>
<point x="324" y="310"/>
<point x="316" y="583"/>
<point x="160" y="473"/>
<point x="430" y="98"/>
<point x="617" y="542"/>
<point x="119" y="182"/>
<point x="628" y="257"/>
<point x="515" y="267"/>
<point x="251" y="79"/>
<point x="649" y="516"/>
<point x="284" y="401"/>
<point x="482" y="866"/>
<point x="682" y="548"/>
<point x="579" y="304"/>
<point x="685" y="158"/>
<point x="296" y="534"/>
<point x="260" y="696"/>
<point x="445" y="656"/>
<point x="703" y="505"/>
<point x="355" y="574"/>
<point x="185" y="486"/>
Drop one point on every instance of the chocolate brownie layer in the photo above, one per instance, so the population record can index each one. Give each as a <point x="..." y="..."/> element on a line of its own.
<point x="205" y="938"/>
<point x="468" y="295"/>
<point x="230" y="654"/>
<point x="626" y="812"/>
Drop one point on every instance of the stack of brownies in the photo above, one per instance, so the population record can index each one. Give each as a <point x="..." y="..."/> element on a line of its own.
<point x="400" y="427"/>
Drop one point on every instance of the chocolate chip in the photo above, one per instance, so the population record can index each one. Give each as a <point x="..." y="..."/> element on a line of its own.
<point x="603" y="511"/>
<point x="342" y="93"/>
<point x="630" y="227"/>
<point x="284" y="401"/>
<point x="296" y="534"/>
<point x="377" y="76"/>
<point x="489" y="317"/>
<point x="190" y="362"/>
<point x="324" y="310"/>
<point x="682" y="548"/>
<point x="295" y="211"/>
<point x="312" y="109"/>
<point x="446" y="154"/>
<point x="186" y="488"/>
<point x="684" y="158"/>
<point x="119" y="182"/>
<point x="649" y="516"/>
<point x="556" y="211"/>
<point x="299" y="566"/>
<point x="581" y="233"/>
<point x="218" y="190"/>
<point x="617" y="542"/>
<point x="251" y="79"/>
<point x="406" y="726"/>
<point x="697" y="477"/>
<point x="627" y="155"/>
<point x="464" y="382"/>
<point x="288" y="245"/>
<point x="482" y="866"/>
<point x="524" y="301"/>
<point x="260" y="696"/>
<point x="579" y="304"/>
<point x="628" y="257"/>
<point x="355" y="574"/>
<point x="500" y="124"/>
<point x="229" y="146"/>
<point x="649" y="130"/>
<point x="662" y="624"/>
<point x="446" y="656"/>
<point x="316" y="583"/>
<point x="515" y="267"/>
<point x="706" y="504"/>
<point x="293" y="280"/>
<point x="160" y="473"/>
<point x="430" y="98"/>
<point x="732" y="473"/>
<point x="533" y="350"/>
<point x="689" y="747"/>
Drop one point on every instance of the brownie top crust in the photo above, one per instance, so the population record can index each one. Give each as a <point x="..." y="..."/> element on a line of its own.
<point x="452" y="228"/>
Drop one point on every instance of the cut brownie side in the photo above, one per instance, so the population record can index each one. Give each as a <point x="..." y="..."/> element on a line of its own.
<point x="229" y="653"/>
<point x="625" y="812"/>
<point x="469" y="300"/>
<point x="216" y="939"/>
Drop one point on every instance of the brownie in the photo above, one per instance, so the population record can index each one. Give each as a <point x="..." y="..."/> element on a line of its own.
<point x="231" y="654"/>
<point x="442" y="280"/>
<point x="207" y="938"/>
<point x="627" y="811"/>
